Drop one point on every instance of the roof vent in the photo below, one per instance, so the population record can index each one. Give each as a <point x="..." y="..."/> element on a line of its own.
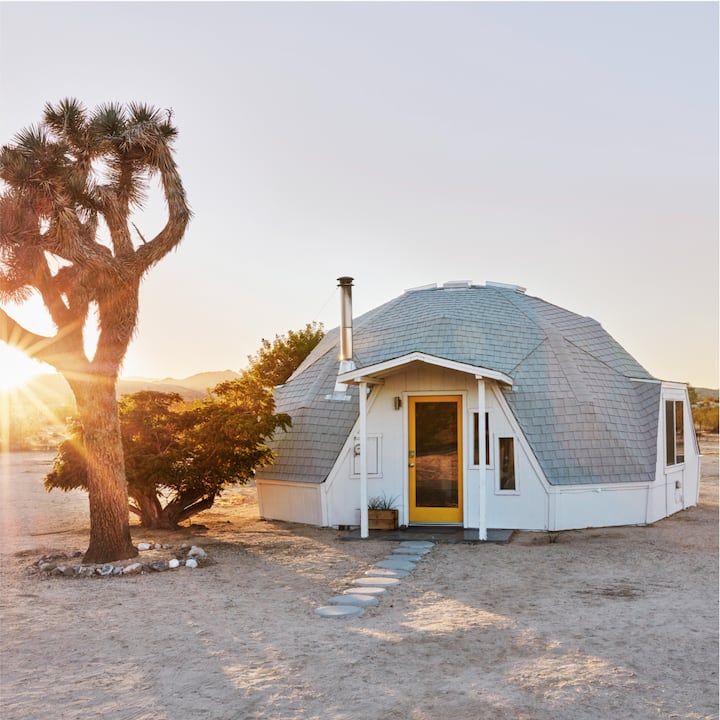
<point x="505" y="286"/>
<point x="431" y="286"/>
<point x="457" y="284"/>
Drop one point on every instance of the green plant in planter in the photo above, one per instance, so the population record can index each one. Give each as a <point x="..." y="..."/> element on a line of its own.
<point x="382" y="502"/>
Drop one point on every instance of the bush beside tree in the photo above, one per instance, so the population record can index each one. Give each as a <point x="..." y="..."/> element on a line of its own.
<point x="179" y="457"/>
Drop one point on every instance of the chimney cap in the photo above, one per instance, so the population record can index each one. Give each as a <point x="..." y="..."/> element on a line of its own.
<point x="345" y="281"/>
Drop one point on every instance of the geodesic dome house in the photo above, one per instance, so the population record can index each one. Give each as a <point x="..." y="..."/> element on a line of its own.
<point x="482" y="407"/>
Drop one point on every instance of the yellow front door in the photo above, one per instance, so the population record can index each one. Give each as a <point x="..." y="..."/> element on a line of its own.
<point x="435" y="459"/>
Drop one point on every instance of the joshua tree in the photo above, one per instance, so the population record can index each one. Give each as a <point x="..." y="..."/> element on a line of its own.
<point x="71" y="185"/>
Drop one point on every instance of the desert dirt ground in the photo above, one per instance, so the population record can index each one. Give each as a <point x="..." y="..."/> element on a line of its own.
<point x="602" y="623"/>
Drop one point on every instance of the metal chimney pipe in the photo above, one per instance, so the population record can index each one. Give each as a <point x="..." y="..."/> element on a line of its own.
<point x="346" y="330"/>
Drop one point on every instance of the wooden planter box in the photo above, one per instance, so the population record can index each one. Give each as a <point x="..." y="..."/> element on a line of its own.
<point x="382" y="519"/>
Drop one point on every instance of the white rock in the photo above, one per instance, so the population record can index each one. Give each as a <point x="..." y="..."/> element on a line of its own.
<point x="144" y="546"/>
<point x="197" y="552"/>
<point x="158" y="546"/>
<point x="173" y="563"/>
<point x="191" y="563"/>
<point x="133" y="569"/>
<point x="65" y="570"/>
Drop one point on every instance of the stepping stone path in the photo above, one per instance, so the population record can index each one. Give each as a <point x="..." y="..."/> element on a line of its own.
<point x="384" y="572"/>
<point x="367" y="590"/>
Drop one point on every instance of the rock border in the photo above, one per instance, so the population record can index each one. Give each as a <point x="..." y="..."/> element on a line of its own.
<point x="63" y="565"/>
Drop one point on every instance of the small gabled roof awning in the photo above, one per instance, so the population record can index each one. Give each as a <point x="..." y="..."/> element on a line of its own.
<point x="374" y="374"/>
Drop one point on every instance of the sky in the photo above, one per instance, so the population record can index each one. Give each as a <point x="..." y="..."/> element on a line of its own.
<point x="570" y="148"/>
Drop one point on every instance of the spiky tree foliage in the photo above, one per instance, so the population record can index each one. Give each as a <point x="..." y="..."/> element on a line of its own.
<point x="71" y="185"/>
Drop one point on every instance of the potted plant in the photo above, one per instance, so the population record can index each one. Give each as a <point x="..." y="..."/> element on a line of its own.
<point x="382" y="513"/>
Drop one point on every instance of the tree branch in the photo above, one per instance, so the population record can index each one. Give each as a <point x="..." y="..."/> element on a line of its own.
<point x="60" y="351"/>
<point x="51" y="295"/>
<point x="178" y="217"/>
<point x="192" y="507"/>
<point x="15" y="335"/>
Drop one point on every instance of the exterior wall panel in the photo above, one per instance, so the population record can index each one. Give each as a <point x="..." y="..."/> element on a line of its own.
<point x="290" y="501"/>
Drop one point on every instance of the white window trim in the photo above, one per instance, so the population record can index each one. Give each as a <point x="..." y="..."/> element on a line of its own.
<point x="471" y="442"/>
<point x="671" y="397"/>
<point x="496" y="444"/>
<point x="354" y="453"/>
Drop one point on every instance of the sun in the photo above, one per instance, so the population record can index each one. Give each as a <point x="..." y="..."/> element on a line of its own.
<point x="16" y="368"/>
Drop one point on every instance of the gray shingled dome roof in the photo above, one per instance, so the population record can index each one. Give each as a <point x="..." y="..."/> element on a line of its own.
<point x="582" y="401"/>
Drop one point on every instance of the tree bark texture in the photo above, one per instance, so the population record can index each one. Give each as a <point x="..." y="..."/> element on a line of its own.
<point x="107" y="488"/>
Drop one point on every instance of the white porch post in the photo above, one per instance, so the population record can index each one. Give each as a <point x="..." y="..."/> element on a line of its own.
<point x="483" y="468"/>
<point x="363" y="461"/>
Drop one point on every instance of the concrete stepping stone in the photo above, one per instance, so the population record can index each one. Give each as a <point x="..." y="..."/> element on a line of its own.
<point x="411" y="550"/>
<point x="355" y="599"/>
<point x="394" y="564"/>
<point x="417" y="544"/>
<point x="339" y="611"/>
<point x="376" y="582"/>
<point x="365" y="591"/>
<point x="403" y="557"/>
<point x="386" y="572"/>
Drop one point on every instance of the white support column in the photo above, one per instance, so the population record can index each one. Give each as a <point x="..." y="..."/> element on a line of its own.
<point x="483" y="468"/>
<point x="363" y="461"/>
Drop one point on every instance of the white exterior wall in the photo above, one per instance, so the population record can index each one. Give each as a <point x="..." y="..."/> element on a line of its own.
<point x="526" y="507"/>
<point x="291" y="501"/>
<point x="676" y="487"/>
<point x="603" y="505"/>
<point x="388" y="429"/>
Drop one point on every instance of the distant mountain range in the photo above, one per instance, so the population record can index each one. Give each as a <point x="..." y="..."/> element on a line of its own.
<point x="38" y="411"/>
<point x="191" y="388"/>
<point x="53" y="390"/>
<point x="705" y="393"/>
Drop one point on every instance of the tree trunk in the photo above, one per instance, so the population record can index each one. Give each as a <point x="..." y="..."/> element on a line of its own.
<point x="107" y="488"/>
<point x="152" y="514"/>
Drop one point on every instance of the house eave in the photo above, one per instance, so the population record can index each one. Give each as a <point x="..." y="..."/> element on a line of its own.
<point x="374" y="374"/>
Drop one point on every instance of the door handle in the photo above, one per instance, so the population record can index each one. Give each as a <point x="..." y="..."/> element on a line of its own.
<point x="411" y="465"/>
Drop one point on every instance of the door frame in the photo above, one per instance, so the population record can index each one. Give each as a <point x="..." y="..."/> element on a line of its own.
<point x="459" y="397"/>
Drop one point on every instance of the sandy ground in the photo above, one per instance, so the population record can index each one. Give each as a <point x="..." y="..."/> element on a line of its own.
<point x="612" y="623"/>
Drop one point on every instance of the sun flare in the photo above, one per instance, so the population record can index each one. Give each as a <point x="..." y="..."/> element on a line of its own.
<point x="16" y="368"/>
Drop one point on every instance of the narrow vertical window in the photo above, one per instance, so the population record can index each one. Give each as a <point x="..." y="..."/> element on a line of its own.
<point x="487" y="438"/>
<point x="506" y="453"/>
<point x="477" y="434"/>
<point x="674" y="432"/>
<point x="679" y="433"/>
<point x="669" y="432"/>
